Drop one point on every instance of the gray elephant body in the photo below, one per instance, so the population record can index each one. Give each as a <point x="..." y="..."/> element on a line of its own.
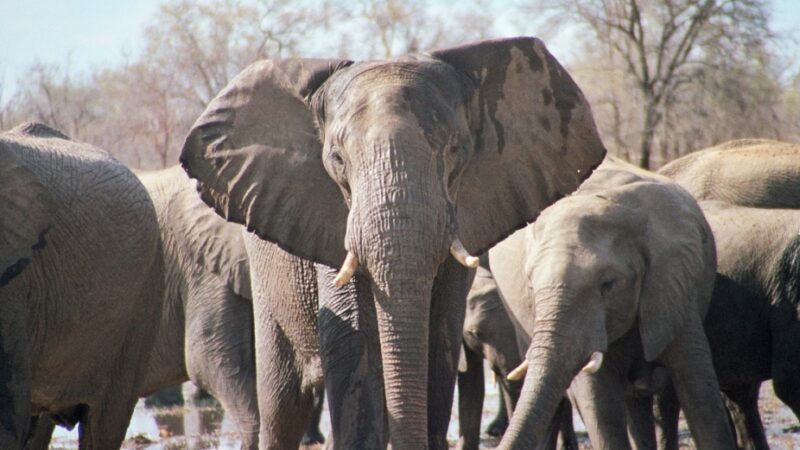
<point x="624" y="267"/>
<point x="748" y="172"/>
<point x="205" y="331"/>
<point x="751" y="323"/>
<point x="80" y="262"/>
<point x="382" y="165"/>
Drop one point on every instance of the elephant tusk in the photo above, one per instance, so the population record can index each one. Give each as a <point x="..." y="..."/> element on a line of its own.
<point x="347" y="271"/>
<point x="518" y="373"/>
<point x="595" y="361"/>
<point x="461" y="255"/>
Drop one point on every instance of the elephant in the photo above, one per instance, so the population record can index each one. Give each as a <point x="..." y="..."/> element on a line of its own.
<point x="617" y="275"/>
<point x="490" y="334"/>
<point x="80" y="263"/>
<point x="398" y="171"/>
<point x="752" y="323"/>
<point x="759" y="173"/>
<point x="204" y="329"/>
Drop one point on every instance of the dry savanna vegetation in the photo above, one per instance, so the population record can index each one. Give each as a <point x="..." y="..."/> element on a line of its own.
<point x="664" y="77"/>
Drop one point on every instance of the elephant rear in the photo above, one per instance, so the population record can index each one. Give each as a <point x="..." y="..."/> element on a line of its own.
<point x="89" y="288"/>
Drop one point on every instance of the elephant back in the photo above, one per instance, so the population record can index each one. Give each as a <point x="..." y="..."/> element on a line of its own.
<point x="93" y="267"/>
<point x="747" y="172"/>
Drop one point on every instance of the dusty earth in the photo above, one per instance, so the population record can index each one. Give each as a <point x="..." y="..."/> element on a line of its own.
<point x="205" y="426"/>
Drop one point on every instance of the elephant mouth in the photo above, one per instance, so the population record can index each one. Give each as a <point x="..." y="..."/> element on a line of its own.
<point x="591" y="366"/>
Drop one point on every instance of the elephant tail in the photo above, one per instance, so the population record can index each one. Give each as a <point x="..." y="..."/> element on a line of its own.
<point x="786" y="279"/>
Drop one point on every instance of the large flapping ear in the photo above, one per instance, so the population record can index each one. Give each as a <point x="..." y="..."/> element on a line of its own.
<point x="257" y="156"/>
<point x="680" y="266"/>
<point x="534" y="137"/>
<point x="26" y="210"/>
<point x="207" y="239"/>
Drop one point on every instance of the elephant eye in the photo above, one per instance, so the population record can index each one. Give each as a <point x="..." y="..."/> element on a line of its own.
<point x="337" y="158"/>
<point x="606" y="286"/>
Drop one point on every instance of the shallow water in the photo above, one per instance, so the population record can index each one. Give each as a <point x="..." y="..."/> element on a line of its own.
<point x="205" y="426"/>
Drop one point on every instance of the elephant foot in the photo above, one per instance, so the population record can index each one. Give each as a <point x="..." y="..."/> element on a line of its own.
<point x="314" y="437"/>
<point x="498" y="426"/>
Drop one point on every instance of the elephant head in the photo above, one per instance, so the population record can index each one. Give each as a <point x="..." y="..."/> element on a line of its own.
<point x="391" y="166"/>
<point x="626" y="252"/>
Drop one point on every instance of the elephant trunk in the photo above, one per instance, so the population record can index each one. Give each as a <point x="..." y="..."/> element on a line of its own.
<point x="550" y="371"/>
<point x="401" y="236"/>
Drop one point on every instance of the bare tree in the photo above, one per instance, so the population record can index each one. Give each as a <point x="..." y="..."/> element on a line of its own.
<point x="664" y="45"/>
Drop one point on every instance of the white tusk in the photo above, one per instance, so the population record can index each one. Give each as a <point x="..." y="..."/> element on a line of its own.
<point x="494" y="378"/>
<point x="595" y="361"/>
<point x="347" y="271"/>
<point x="461" y="255"/>
<point x="518" y="373"/>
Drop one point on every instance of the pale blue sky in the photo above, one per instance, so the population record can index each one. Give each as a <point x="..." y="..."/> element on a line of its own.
<point x="94" y="33"/>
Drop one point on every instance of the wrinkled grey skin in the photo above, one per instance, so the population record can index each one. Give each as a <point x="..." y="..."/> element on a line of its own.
<point x="625" y="267"/>
<point x="749" y="315"/>
<point x="388" y="160"/>
<point x="206" y="328"/>
<point x="205" y="331"/>
<point x="80" y="258"/>
<point x="489" y="334"/>
<point x="752" y="325"/>
<point x="748" y="172"/>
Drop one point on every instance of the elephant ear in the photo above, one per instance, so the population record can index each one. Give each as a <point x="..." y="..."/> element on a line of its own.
<point x="533" y="133"/>
<point x="209" y="241"/>
<point x="680" y="256"/>
<point x="257" y="156"/>
<point x="26" y="210"/>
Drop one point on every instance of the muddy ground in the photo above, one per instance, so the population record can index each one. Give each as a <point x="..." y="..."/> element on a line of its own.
<point x="204" y="426"/>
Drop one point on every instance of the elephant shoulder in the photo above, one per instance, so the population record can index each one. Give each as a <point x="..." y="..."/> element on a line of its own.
<point x="204" y="238"/>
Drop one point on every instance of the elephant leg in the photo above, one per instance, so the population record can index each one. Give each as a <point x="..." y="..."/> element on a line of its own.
<point x="569" y="441"/>
<point x="470" y="401"/>
<point x="689" y="359"/>
<point x="742" y="402"/>
<point x="288" y="369"/>
<point x="641" y="422"/>
<point x="103" y="424"/>
<point x="41" y="432"/>
<point x="786" y="358"/>
<point x="499" y="424"/>
<point x="351" y="360"/>
<point x="666" y="412"/>
<point x="448" y="307"/>
<point x="219" y="356"/>
<point x="600" y="401"/>
<point x="15" y="373"/>
<point x="313" y="435"/>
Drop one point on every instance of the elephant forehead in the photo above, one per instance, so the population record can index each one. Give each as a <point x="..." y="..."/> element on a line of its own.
<point x="408" y="83"/>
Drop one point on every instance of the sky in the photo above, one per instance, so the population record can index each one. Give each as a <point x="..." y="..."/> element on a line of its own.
<point x="95" y="33"/>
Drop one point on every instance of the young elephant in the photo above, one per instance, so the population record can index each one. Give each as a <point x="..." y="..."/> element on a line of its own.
<point x="617" y="274"/>
<point x="489" y="333"/>
<point x="80" y="267"/>
<point x="205" y="330"/>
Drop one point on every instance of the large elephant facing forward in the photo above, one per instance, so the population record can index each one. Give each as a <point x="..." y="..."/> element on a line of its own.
<point x="393" y="166"/>
<point x="615" y="276"/>
<point x="79" y="263"/>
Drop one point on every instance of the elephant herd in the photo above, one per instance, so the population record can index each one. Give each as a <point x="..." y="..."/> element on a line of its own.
<point x="320" y="233"/>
